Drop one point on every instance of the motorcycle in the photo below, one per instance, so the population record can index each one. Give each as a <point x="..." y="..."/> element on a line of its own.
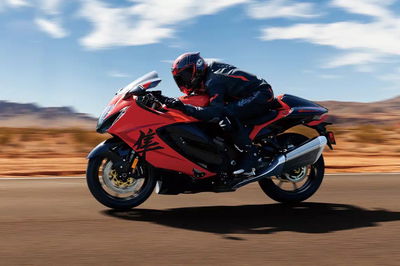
<point x="155" y="147"/>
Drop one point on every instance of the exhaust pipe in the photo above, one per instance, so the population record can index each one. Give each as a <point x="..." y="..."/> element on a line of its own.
<point x="306" y="154"/>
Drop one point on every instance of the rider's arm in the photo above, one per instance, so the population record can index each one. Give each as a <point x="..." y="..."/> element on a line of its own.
<point x="215" y="109"/>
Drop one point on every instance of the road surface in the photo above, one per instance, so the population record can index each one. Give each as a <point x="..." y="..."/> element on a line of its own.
<point x="352" y="220"/>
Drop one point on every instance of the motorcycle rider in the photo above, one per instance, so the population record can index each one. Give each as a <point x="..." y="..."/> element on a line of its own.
<point x="235" y="96"/>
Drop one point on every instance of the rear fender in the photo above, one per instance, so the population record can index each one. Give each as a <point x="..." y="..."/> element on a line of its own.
<point x="321" y="129"/>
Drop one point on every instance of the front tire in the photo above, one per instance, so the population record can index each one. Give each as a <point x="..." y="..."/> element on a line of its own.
<point x="114" y="197"/>
<point x="309" y="178"/>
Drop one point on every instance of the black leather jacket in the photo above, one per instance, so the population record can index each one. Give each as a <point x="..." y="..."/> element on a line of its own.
<point x="224" y="84"/>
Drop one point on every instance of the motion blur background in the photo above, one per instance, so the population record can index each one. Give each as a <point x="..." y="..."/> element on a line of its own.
<point x="61" y="62"/>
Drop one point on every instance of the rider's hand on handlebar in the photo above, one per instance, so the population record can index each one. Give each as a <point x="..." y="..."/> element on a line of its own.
<point x="157" y="94"/>
<point x="169" y="102"/>
<point x="173" y="103"/>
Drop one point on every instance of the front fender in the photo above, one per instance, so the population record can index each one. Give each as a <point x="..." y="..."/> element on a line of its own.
<point x="103" y="148"/>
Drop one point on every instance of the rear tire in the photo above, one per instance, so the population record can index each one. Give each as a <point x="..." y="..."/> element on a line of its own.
<point x="312" y="183"/>
<point x="112" y="201"/>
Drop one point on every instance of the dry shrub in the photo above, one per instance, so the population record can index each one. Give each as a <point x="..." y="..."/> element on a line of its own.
<point x="375" y="134"/>
<point x="85" y="140"/>
<point x="338" y="131"/>
<point x="6" y="136"/>
<point x="5" y="139"/>
<point x="29" y="134"/>
<point x="80" y="139"/>
<point x="389" y="128"/>
<point x="368" y="134"/>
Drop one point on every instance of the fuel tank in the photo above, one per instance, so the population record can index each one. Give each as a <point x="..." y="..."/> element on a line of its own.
<point x="196" y="100"/>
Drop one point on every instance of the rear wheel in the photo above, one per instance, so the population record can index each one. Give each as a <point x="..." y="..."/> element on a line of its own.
<point x="116" y="190"/>
<point x="298" y="184"/>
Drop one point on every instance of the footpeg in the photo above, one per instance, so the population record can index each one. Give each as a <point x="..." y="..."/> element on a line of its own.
<point x="274" y="167"/>
<point x="241" y="172"/>
<point x="238" y="172"/>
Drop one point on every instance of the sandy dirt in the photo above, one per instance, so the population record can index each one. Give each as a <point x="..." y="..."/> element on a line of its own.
<point x="352" y="220"/>
<point x="47" y="152"/>
<point x="75" y="166"/>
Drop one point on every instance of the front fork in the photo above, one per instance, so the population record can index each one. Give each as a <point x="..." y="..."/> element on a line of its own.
<point x="124" y="158"/>
<point x="129" y="163"/>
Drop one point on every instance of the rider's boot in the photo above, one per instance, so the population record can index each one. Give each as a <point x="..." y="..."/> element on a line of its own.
<point x="249" y="162"/>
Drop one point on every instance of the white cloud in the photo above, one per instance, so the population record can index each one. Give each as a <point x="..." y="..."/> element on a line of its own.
<point x="14" y="4"/>
<point x="50" y="6"/>
<point x="375" y="36"/>
<point x="17" y="3"/>
<point x="354" y="58"/>
<point x="117" y="27"/>
<point x="365" y="42"/>
<point x="143" y="22"/>
<point x="375" y="8"/>
<point x="117" y="74"/>
<point x="281" y="8"/>
<point x="51" y="27"/>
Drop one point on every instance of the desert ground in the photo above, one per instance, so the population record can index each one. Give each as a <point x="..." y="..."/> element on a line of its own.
<point x="49" y="215"/>
<point x="58" y="152"/>
<point x="352" y="220"/>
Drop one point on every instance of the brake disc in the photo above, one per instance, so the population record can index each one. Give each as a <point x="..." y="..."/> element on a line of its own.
<point x="116" y="183"/>
<point x="297" y="174"/>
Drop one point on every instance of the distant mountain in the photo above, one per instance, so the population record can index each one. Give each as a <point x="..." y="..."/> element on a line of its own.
<point x="341" y="113"/>
<point x="381" y="112"/>
<point x="31" y="115"/>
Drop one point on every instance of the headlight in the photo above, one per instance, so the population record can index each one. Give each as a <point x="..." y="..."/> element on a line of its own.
<point x="105" y="113"/>
<point x="104" y="124"/>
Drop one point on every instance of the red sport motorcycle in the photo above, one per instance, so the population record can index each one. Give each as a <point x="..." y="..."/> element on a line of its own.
<point x="156" y="147"/>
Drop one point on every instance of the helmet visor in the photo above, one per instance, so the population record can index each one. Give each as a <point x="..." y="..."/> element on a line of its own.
<point x="184" y="77"/>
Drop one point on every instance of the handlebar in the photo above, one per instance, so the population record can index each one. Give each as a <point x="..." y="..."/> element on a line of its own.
<point x="153" y="100"/>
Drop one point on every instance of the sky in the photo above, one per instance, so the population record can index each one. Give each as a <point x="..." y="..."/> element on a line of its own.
<point x="79" y="52"/>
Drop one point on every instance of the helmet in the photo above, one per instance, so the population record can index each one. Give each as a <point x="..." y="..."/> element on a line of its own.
<point x="188" y="71"/>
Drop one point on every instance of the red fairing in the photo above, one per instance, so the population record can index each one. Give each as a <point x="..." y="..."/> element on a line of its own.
<point x="196" y="100"/>
<point x="119" y="103"/>
<point x="283" y="111"/>
<point x="319" y="121"/>
<point x="138" y="127"/>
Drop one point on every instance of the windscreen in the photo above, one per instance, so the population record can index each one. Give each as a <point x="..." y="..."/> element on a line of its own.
<point x="143" y="79"/>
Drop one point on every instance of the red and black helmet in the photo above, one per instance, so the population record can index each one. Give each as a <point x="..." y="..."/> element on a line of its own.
<point x="188" y="71"/>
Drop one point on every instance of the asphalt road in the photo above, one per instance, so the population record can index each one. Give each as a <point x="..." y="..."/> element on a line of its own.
<point x="352" y="220"/>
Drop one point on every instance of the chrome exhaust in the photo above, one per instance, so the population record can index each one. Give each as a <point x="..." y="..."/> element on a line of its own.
<point x="306" y="154"/>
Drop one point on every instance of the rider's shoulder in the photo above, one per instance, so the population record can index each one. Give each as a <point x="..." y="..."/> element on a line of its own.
<point x="217" y="67"/>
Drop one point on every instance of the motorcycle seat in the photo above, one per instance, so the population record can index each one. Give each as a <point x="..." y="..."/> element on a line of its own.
<point x="262" y="119"/>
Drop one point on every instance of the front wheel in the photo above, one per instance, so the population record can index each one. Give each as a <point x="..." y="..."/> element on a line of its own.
<point x="298" y="184"/>
<point x="115" y="190"/>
